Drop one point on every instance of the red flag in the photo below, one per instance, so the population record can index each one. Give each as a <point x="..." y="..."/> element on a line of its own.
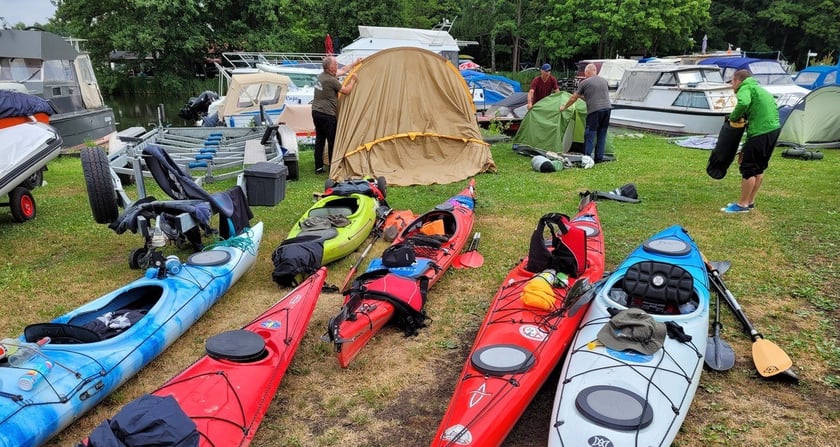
<point x="328" y="44"/>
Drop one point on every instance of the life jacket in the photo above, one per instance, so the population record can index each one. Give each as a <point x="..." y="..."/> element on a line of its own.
<point x="563" y="251"/>
<point x="407" y="295"/>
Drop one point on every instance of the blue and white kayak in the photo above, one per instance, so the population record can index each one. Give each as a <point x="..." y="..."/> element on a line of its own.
<point x="89" y="361"/>
<point x="611" y="398"/>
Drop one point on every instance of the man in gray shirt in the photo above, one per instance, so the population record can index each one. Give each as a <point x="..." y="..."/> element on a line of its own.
<point x="596" y="93"/>
<point x="325" y="108"/>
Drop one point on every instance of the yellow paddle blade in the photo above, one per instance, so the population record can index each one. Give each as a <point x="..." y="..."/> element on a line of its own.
<point x="769" y="359"/>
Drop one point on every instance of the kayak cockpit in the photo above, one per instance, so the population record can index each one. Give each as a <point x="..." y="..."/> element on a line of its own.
<point x="658" y="288"/>
<point x="124" y="311"/>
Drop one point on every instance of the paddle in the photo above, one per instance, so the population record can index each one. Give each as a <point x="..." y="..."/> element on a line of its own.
<point x="471" y="258"/>
<point x="581" y="292"/>
<point x="719" y="355"/>
<point x="770" y="360"/>
<point x="382" y="213"/>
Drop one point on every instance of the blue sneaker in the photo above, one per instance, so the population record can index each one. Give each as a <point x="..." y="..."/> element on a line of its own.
<point x="750" y="206"/>
<point x="735" y="208"/>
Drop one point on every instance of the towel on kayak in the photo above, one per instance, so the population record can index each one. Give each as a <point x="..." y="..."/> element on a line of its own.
<point x="148" y="420"/>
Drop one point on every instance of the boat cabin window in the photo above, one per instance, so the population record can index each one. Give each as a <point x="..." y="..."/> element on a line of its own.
<point x="58" y="71"/>
<point x="807" y="78"/>
<point x="694" y="100"/>
<point x="86" y="71"/>
<point x="830" y="78"/>
<point x="690" y="77"/>
<point x="667" y="79"/>
<point x="302" y="79"/>
<point x="20" y="69"/>
<point x="698" y="76"/>
<point x="265" y="94"/>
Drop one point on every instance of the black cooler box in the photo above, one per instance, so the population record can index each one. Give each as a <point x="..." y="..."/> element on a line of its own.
<point x="265" y="183"/>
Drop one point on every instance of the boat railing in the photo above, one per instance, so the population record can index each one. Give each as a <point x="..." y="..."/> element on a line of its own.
<point x="249" y="59"/>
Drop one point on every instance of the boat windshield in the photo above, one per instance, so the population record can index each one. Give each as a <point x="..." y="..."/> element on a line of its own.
<point x="698" y="76"/>
<point x="806" y="78"/>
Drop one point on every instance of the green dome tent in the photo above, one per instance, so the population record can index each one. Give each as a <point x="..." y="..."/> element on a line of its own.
<point x="546" y="128"/>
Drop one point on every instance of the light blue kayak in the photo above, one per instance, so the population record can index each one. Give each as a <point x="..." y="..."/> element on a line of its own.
<point x="619" y="385"/>
<point x="89" y="363"/>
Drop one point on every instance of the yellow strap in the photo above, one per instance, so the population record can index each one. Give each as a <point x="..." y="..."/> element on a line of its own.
<point x="412" y="136"/>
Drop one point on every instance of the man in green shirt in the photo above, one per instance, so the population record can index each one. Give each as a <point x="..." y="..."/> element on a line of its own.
<point x="758" y="107"/>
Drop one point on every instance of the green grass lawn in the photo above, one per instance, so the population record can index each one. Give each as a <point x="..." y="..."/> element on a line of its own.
<point x="784" y="273"/>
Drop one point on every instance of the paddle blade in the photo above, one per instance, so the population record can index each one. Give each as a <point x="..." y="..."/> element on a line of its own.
<point x="721" y="266"/>
<point x="769" y="359"/>
<point x="719" y="355"/>
<point x="471" y="259"/>
<point x="579" y="295"/>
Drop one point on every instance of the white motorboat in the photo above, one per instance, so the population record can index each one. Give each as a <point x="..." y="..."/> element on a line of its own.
<point x="769" y="73"/>
<point x="25" y="150"/>
<point x="672" y="99"/>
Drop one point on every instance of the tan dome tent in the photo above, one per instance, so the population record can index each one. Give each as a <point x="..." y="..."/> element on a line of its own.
<point x="410" y="119"/>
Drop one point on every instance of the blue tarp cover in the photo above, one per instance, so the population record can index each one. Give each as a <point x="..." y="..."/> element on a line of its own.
<point x="22" y="104"/>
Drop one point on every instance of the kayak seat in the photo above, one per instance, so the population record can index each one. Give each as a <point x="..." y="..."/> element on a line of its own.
<point x="60" y="333"/>
<point x="331" y="211"/>
<point x="658" y="287"/>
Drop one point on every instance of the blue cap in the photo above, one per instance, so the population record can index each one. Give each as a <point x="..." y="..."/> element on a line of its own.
<point x="546" y="67"/>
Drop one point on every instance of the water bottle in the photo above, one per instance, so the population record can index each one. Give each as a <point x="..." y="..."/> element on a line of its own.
<point x="26" y="351"/>
<point x="173" y="264"/>
<point x="8" y="346"/>
<point x="39" y="369"/>
<point x="559" y="280"/>
<point x="158" y="237"/>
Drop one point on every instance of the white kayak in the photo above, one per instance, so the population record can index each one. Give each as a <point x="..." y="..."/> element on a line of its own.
<point x="618" y="396"/>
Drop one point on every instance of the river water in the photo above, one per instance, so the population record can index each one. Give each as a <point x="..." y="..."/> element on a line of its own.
<point x="143" y="110"/>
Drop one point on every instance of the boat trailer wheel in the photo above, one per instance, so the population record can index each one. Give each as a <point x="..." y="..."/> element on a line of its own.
<point x="22" y="204"/>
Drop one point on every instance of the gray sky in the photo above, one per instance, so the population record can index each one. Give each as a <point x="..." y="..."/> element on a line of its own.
<point x="27" y="11"/>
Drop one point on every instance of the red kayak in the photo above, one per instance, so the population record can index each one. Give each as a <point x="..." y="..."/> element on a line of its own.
<point x="519" y="345"/>
<point x="396" y="291"/>
<point x="227" y="392"/>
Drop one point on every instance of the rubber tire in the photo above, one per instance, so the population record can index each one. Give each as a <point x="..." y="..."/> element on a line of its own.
<point x="35" y="180"/>
<point x="136" y="258"/>
<point x="100" y="187"/>
<point x="22" y="204"/>
<point x="383" y="186"/>
<point x="294" y="171"/>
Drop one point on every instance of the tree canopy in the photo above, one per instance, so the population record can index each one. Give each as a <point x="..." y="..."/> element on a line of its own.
<point x="178" y="35"/>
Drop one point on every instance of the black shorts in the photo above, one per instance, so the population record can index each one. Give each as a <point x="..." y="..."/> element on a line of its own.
<point x="756" y="153"/>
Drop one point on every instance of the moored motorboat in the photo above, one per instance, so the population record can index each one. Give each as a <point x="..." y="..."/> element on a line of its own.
<point x="227" y="392"/>
<point x="55" y="69"/>
<point x="517" y="347"/>
<point x="672" y="99"/>
<point x="397" y="291"/>
<point x="98" y="346"/>
<point x="624" y="381"/>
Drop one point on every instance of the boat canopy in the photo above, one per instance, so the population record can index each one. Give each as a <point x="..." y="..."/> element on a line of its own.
<point x="637" y="81"/>
<point x="249" y="91"/>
